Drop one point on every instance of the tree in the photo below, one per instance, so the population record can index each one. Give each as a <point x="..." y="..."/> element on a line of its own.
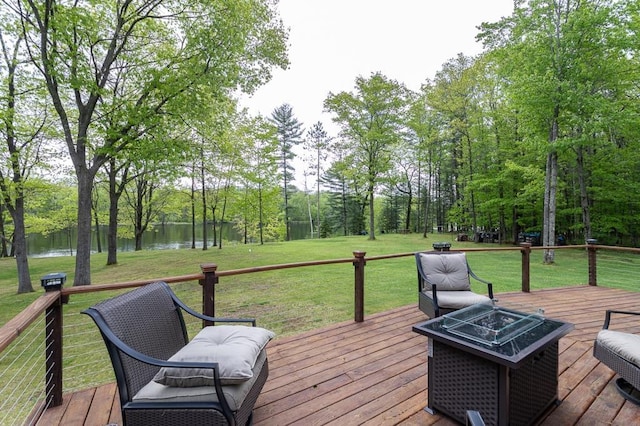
<point x="317" y="142"/>
<point x="403" y="181"/>
<point x="118" y="178"/>
<point x="157" y="146"/>
<point x="258" y="170"/>
<point x="145" y="198"/>
<point x="453" y="95"/>
<point x="421" y="125"/>
<point x="167" y="49"/>
<point x="24" y="123"/>
<point x="289" y="133"/>
<point x="211" y="132"/>
<point x="347" y="198"/>
<point x="564" y="61"/>
<point x="372" y="118"/>
<point x="4" y="238"/>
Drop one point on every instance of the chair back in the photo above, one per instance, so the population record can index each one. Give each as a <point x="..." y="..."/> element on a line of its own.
<point x="159" y="332"/>
<point x="447" y="270"/>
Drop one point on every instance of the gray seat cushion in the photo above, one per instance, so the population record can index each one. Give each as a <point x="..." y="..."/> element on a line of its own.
<point x="234" y="347"/>
<point x="458" y="299"/>
<point x="234" y="394"/>
<point x="625" y="345"/>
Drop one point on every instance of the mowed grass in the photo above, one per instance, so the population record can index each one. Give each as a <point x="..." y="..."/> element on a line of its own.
<point x="297" y="299"/>
<point x="287" y="301"/>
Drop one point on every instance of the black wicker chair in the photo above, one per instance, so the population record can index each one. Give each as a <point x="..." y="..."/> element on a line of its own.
<point x="620" y="351"/>
<point x="444" y="284"/>
<point x="142" y="329"/>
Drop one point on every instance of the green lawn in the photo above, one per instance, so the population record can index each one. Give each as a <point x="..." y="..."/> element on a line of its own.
<point x="292" y="300"/>
<point x="287" y="301"/>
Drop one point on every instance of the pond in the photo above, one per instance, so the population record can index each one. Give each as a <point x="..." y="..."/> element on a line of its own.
<point x="161" y="237"/>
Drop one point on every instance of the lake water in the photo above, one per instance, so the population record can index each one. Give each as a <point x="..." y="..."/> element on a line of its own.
<point x="170" y="236"/>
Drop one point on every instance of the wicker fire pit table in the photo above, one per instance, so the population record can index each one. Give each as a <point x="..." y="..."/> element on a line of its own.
<point x="498" y="361"/>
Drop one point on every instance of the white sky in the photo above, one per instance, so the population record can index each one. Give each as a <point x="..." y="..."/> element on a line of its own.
<point x="331" y="42"/>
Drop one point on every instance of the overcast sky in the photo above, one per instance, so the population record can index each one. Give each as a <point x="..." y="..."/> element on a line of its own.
<point x="331" y="42"/>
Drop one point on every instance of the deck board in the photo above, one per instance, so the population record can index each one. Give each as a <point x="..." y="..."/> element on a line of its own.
<point x="374" y="373"/>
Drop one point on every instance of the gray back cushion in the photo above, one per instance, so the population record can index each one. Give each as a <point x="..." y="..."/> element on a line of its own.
<point x="446" y="271"/>
<point x="147" y="320"/>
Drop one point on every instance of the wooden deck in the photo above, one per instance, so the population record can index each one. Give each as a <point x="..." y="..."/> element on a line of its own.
<point x="374" y="373"/>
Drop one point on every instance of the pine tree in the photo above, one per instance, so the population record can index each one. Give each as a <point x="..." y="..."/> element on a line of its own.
<point x="289" y="132"/>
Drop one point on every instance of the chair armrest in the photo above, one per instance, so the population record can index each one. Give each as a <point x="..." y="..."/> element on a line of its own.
<point x="122" y="346"/>
<point x="477" y="278"/>
<point x="197" y="314"/>
<point x="607" y="317"/>
<point x="434" y="293"/>
<point x="489" y="284"/>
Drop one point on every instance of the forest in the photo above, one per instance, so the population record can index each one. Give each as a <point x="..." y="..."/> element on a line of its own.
<point x="126" y="113"/>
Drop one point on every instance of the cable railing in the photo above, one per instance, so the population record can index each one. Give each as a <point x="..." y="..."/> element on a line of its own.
<point x="22" y="375"/>
<point x="50" y="349"/>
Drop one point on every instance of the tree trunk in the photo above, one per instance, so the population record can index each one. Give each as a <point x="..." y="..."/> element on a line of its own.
<point x="419" y="198"/>
<point x="3" y="237"/>
<point x="407" y="224"/>
<point x="193" y="210"/>
<point x="344" y="207"/>
<point x="260" y="214"/>
<point x="427" y="194"/>
<point x="97" y="224"/>
<point x="372" y="233"/>
<point x="20" y="246"/>
<point x="514" y="224"/>
<point x="318" y="195"/>
<point x="83" y="246"/>
<point x="112" y="233"/>
<point x="215" y="230"/>
<point x="205" y="243"/>
<point x="114" y="199"/>
<point x="474" y="215"/>
<point x="584" y="195"/>
<point x="19" y="241"/>
<point x="549" y="227"/>
<point x="308" y="206"/>
<point x="550" y="185"/>
<point x="286" y="198"/>
<point x="138" y="224"/>
<point x="224" y="209"/>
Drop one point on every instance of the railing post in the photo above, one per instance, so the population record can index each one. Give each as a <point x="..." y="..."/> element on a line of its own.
<point x="359" y="264"/>
<point x="591" y="254"/>
<point x="525" y="249"/>
<point x="53" y="339"/>
<point x="53" y="353"/>
<point x="209" y="290"/>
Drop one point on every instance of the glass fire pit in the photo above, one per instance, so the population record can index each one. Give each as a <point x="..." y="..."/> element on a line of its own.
<point x="499" y="361"/>
<point x="489" y="325"/>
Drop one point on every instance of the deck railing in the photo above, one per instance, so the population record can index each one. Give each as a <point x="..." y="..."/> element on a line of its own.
<point x="49" y="310"/>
